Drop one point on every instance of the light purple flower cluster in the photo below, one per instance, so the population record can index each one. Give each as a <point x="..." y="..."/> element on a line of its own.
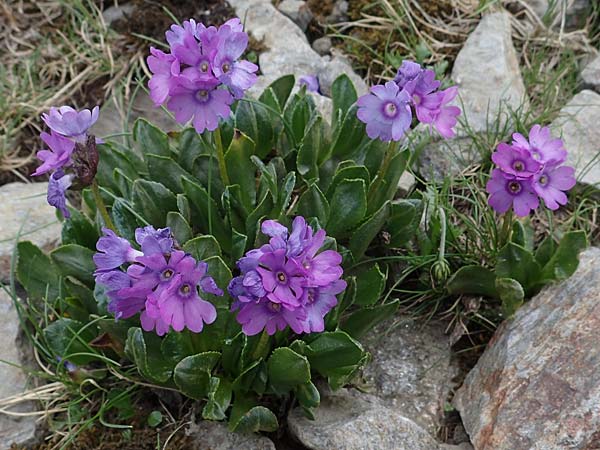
<point x="287" y="282"/>
<point x="388" y="109"/>
<point x="160" y="282"/>
<point x="203" y="74"/>
<point x="68" y="128"/>
<point x="528" y="170"/>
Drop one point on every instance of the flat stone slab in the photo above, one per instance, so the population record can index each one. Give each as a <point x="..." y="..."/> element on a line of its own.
<point x="348" y="420"/>
<point x="537" y="386"/>
<point x="487" y="73"/>
<point x="24" y="211"/>
<point x="13" y="430"/>
<point x="578" y="123"/>
<point x="411" y="370"/>
<point x="215" y="436"/>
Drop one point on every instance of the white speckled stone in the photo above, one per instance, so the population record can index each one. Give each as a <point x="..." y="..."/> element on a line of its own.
<point x="23" y="207"/>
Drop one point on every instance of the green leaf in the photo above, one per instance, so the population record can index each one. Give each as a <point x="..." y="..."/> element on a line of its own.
<point x="287" y="369"/>
<point x="154" y="419"/>
<point x="368" y="230"/>
<point x="124" y="219"/>
<point x="37" y="273"/>
<point x="233" y="349"/>
<point x="346" y="171"/>
<point x="402" y="223"/>
<point x="474" y="280"/>
<point x="308" y="154"/>
<point x="206" y="214"/>
<point x="348" y="135"/>
<point x="343" y="95"/>
<point x="192" y="374"/>
<point x="76" y="261"/>
<point x="256" y="122"/>
<point x="254" y="377"/>
<point x="512" y="295"/>
<point x="150" y="139"/>
<point x="279" y="91"/>
<point x="166" y="171"/>
<point x="523" y="235"/>
<point x="516" y="262"/>
<point x="222" y="276"/>
<point x="370" y="285"/>
<point x="308" y="396"/>
<point x="332" y="350"/>
<point x="240" y="169"/>
<point x="299" y="113"/>
<point x="179" y="226"/>
<point x="385" y="189"/>
<point x="202" y="247"/>
<point x="348" y="206"/>
<point x="191" y="145"/>
<point x="144" y="349"/>
<point x="219" y="398"/>
<point x="68" y="339"/>
<point x="363" y="320"/>
<point x="285" y="195"/>
<point x="247" y="419"/>
<point x="206" y="173"/>
<point x="565" y="260"/>
<point x="79" y="230"/>
<point x="269" y="175"/>
<point x="314" y="204"/>
<point x="109" y="159"/>
<point x="153" y="201"/>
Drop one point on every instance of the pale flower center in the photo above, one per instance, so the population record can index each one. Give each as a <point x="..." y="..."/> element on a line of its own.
<point x="518" y="166"/>
<point x="514" y="187"/>
<point x="543" y="180"/>
<point x="202" y="95"/>
<point x="281" y="277"/>
<point x="185" y="289"/>
<point x="226" y="67"/>
<point x="203" y="66"/>
<point x="390" y="109"/>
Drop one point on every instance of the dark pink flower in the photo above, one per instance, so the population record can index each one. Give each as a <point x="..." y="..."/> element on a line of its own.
<point x="506" y="190"/>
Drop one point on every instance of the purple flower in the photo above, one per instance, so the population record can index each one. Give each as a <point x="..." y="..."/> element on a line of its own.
<point x="70" y="122"/>
<point x="203" y="73"/>
<point x="179" y="303"/>
<point x="407" y="72"/>
<point x="506" y="190"/>
<point x="58" y="154"/>
<point x="160" y="283"/>
<point x="310" y="81"/>
<point x="551" y="183"/>
<point x="541" y="145"/>
<point x="58" y="184"/>
<point x="386" y="112"/>
<point x="113" y="251"/>
<point x="515" y="161"/>
<point x="200" y="101"/>
<point x="264" y="314"/>
<point x="445" y="117"/>
<point x="287" y="282"/>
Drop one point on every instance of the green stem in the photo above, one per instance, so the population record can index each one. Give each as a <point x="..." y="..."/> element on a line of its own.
<point x="221" y="157"/>
<point x="101" y="206"/>
<point x="389" y="154"/>
<point x="507" y="227"/>
<point x="262" y="348"/>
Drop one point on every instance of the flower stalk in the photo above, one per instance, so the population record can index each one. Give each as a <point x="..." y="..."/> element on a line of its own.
<point x="101" y="206"/>
<point x="221" y="157"/>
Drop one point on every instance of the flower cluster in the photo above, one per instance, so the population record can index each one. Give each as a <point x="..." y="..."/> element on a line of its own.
<point x="160" y="282"/>
<point x="388" y="109"/>
<point x="70" y="151"/>
<point x="528" y="170"/>
<point x="287" y="282"/>
<point x="202" y="74"/>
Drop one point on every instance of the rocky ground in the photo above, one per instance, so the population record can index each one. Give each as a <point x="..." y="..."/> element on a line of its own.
<point x="537" y="384"/>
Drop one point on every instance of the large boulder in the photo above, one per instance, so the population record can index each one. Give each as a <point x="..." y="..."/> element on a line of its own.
<point x="411" y="370"/>
<point x="487" y="73"/>
<point x="578" y="124"/>
<point x="14" y="429"/>
<point x="25" y="214"/>
<point x="591" y="74"/>
<point x="537" y="386"/>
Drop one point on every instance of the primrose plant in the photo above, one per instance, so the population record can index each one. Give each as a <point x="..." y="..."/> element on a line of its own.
<point x="229" y="260"/>
<point x="527" y="170"/>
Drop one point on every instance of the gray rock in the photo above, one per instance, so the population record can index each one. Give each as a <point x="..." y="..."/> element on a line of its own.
<point x="537" y="385"/>
<point x="114" y="13"/>
<point x="591" y="74"/>
<point x="339" y="12"/>
<point x="578" y="123"/>
<point x="26" y="214"/>
<point x="411" y="370"/>
<point x="406" y="183"/>
<point x="347" y="420"/>
<point x="215" y="436"/>
<point x="538" y="6"/>
<point x="441" y="159"/>
<point x="13" y="430"/>
<point x="487" y="73"/>
<point x="297" y="11"/>
<point x="322" y="45"/>
<point x="288" y="49"/>
<point x="576" y="13"/>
